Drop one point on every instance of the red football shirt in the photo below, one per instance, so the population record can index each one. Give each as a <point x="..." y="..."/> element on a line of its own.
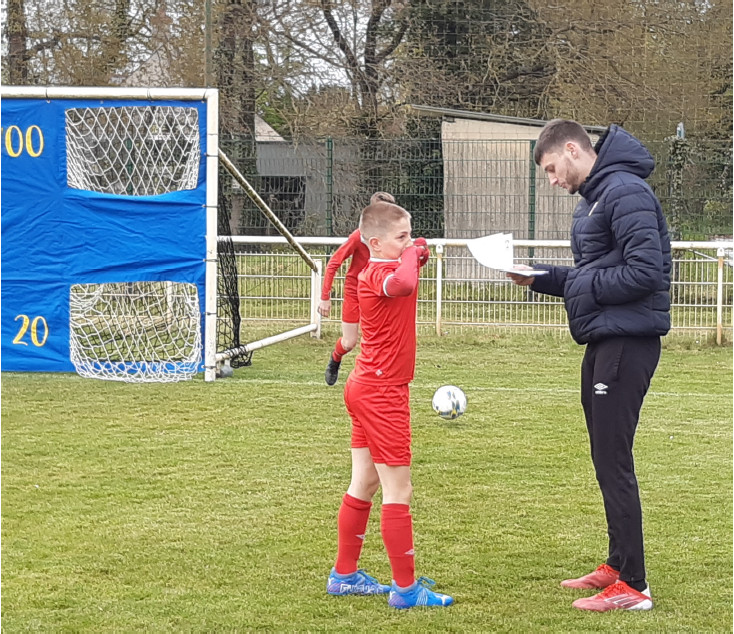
<point x="387" y="349"/>
<point x="360" y="254"/>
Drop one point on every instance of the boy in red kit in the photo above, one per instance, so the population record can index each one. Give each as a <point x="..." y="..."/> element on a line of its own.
<point x="377" y="399"/>
<point x="360" y="254"/>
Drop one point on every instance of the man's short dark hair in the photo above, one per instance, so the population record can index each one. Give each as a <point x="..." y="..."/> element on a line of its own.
<point x="556" y="133"/>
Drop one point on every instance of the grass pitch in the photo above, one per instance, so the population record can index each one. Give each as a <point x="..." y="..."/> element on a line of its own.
<point x="200" y="507"/>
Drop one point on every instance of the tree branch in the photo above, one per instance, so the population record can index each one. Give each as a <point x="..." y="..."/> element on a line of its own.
<point x="343" y="45"/>
<point x="397" y="38"/>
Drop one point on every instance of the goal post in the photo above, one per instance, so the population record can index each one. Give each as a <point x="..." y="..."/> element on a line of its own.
<point x="109" y="231"/>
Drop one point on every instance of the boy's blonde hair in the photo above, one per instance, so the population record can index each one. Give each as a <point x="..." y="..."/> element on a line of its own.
<point x="381" y="196"/>
<point x="377" y="218"/>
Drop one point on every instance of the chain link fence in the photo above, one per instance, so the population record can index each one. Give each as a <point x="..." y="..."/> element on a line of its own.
<point x="464" y="188"/>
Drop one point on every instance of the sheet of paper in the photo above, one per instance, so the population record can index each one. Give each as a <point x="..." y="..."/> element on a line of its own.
<point x="525" y="272"/>
<point x="494" y="251"/>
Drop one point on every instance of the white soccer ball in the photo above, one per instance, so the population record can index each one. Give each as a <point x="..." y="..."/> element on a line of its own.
<point x="449" y="402"/>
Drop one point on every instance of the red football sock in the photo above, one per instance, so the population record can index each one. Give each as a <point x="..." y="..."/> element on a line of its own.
<point x="339" y="350"/>
<point x="352" y="524"/>
<point x="397" y="534"/>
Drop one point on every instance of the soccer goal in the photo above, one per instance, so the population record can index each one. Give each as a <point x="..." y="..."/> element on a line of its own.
<point x="109" y="228"/>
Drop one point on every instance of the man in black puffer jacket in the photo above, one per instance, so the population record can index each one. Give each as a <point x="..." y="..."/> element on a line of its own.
<point x="617" y="296"/>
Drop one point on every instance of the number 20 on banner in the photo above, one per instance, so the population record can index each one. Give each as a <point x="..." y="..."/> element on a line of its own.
<point x="38" y="335"/>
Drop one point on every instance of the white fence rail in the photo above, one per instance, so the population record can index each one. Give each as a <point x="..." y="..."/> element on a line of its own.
<point x="276" y="285"/>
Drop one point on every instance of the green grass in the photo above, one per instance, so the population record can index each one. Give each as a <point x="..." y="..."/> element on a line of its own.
<point x="198" y="507"/>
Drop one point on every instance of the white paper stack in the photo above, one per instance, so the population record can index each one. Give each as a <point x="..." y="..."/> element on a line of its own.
<point x="496" y="251"/>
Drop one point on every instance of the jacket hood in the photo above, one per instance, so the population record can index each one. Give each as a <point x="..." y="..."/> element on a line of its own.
<point x="617" y="151"/>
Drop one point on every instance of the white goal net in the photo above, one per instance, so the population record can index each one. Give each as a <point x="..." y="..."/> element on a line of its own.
<point x="132" y="150"/>
<point x="135" y="331"/>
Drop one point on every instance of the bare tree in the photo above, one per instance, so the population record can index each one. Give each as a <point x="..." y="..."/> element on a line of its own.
<point x="638" y="64"/>
<point x="22" y="49"/>
<point x="381" y="54"/>
<point x="17" y="42"/>
<point x="322" y="67"/>
<point x="486" y="55"/>
<point x="234" y="61"/>
<point x="347" y="44"/>
<point x="86" y="42"/>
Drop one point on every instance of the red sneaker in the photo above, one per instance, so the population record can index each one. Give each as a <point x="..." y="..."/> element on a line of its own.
<point x="602" y="577"/>
<point x="618" y="596"/>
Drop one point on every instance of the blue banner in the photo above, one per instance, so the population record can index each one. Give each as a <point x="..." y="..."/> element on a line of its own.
<point x="54" y="236"/>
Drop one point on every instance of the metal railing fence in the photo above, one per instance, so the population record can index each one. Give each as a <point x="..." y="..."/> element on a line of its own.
<point x="276" y="285"/>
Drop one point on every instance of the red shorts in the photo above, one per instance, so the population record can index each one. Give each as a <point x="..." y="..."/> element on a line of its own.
<point x="380" y="421"/>
<point x="350" y="306"/>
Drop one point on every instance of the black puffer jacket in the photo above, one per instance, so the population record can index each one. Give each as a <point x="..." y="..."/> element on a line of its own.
<point x="620" y="284"/>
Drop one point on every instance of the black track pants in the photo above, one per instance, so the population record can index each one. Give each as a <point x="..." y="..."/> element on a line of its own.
<point x="615" y="376"/>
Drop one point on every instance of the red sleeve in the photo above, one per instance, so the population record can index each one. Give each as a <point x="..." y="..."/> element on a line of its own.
<point x="345" y="251"/>
<point x="405" y="278"/>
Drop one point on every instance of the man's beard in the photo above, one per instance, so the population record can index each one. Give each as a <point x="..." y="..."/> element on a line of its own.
<point x="572" y="178"/>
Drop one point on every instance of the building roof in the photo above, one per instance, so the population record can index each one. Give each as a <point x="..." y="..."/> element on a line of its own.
<point x="265" y="132"/>
<point x="488" y="116"/>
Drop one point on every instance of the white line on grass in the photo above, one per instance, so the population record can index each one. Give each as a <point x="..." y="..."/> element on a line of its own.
<point x="540" y="390"/>
<point x="418" y="386"/>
